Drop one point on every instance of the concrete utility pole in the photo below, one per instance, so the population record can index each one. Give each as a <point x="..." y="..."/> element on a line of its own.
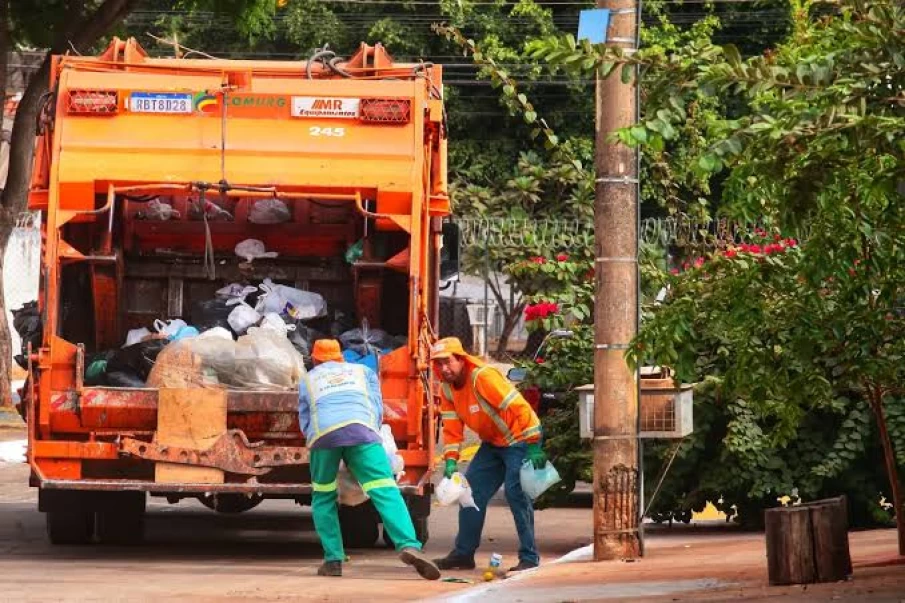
<point x="617" y="477"/>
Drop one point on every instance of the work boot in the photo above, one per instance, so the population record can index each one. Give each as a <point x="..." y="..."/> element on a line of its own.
<point x="426" y="568"/>
<point x="455" y="562"/>
<point x="522" y="566"/>
<point x="331" y="568"/>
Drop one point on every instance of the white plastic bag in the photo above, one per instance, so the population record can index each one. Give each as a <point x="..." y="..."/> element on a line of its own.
<point x="298" y="304"/>
<point x="397" y="463"/>
<point x="159" y="212"/>
<point x="242" y="317"/>
<point x="235" y="291"/>
<point x="455" y="489"/>
<point x="536" y="481"/>
<point x="269" y="211"/>
<point x="348" y="490"/>
<point x="266" y="360"/>
<point x="251" y="249"/>
<point x="216" y="333"/>
<point x="136" y="336"/>
<point x="169" y="328"/>
<point x="273" y="322"/>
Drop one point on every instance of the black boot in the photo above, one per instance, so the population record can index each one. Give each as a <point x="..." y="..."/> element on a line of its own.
<point x="522" y="565"/>
<point x="331" y="568"/>
<point x="455" y="562"/>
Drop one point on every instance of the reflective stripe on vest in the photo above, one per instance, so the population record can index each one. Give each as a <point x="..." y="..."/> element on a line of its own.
<point x="490" y="410"/>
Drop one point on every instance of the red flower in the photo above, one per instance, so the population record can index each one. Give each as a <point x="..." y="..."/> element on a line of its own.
<point x="539" y="361"/>
<point x="730" y="253"/>
<point x="773" y="248"/>
<point x="698" y="262"/>
<point x="539" y="260"/>
<point x="674" y="271"/>
<point x="791" y="243"/>
<point x="777" y="237"/>
<point x="562" y="257"/>
<point x="685" y="265"/>
<point x="760" y="232"/>
<point x="754" y="248"/>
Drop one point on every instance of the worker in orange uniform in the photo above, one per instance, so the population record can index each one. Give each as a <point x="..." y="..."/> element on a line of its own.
<point x="480" y="397"/>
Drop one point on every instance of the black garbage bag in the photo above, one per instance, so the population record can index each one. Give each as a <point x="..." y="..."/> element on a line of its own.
<point x="137" y="359"/>
<point x="27" y="323"/>
<point x="210" y="313"/>
<point x="365" y="341"/>
<point x="124" y="379"/>
<point x="303" y="338"/>
<point x="96" y="367"/>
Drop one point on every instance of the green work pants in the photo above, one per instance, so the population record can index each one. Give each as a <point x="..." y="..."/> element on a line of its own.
<point x="370" y="466"/>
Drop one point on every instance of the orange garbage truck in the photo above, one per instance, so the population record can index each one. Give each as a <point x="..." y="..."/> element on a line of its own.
<point x="153" y="177"/>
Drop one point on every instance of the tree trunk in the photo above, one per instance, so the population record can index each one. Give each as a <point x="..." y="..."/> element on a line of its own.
<point x="891" y="470"/>
<point x="509" y="324"/>
<point x="7" y="221"/>
<point x="14" y="200"/>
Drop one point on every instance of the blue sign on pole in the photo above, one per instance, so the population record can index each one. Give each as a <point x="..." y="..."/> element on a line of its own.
<point x="592" y="25"/>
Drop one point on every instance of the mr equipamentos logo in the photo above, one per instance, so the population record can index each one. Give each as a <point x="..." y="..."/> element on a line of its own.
<point x="206" y="103"/>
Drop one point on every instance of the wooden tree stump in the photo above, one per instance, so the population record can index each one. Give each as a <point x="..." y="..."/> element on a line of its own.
<point x="808" y="543"/>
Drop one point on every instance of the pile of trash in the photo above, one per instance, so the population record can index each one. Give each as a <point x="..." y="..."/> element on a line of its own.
<point x="246" y="337"/>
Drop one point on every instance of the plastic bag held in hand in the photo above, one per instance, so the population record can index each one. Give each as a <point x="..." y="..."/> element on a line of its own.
<point x="455" y="489"/>
<point x="536" y="481"/>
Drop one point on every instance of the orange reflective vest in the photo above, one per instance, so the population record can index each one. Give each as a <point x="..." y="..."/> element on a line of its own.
<point x="491" y="407"/>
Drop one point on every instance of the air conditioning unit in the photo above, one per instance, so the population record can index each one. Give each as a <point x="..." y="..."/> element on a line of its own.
<point x="476" y="315"/>
<point x="665" y="409"/>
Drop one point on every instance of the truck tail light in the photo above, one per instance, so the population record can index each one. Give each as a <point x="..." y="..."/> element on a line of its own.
<point x="93" y="102"/>
<point x="386" y="110"/>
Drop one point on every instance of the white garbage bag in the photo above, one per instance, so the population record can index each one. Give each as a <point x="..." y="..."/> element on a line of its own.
<point x="289" y="301"/>
<point x="159" y="212"/>
<point x="269" y="211"/>
<point x="273" y="322"/>
<point x="216" y="333"/>
<point x="536" y="481"/>
<point x="169" y="328"/>
<point x="242" y="317"/>
<point x="348" y="489"/>
<point x="234" y="292"/>
<point x="397" y="463"/>
<point x="251" y="249"/>
<point x="136" y="336"/>
<point x="266" y="360"/>
<point x="455" y="489"/>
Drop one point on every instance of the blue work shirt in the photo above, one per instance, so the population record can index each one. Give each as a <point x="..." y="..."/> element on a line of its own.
<point x="335" y="395"/>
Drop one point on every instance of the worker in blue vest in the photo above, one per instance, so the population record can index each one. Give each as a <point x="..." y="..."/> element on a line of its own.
<point x="340" y="413"/>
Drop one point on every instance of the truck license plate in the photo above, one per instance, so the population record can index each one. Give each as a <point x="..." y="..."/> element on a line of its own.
<point x="160" y="102"/>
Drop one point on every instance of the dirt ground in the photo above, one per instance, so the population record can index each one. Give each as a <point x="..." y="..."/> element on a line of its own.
<point x="272" y="553"/>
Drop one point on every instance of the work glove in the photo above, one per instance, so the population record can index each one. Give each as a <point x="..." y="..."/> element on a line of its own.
<point x="451" y="466"/>
<point x="536" y="455"/>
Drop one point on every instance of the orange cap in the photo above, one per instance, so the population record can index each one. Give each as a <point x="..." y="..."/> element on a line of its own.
<point x="447" y="347"/>
<point x="327" y="350"/>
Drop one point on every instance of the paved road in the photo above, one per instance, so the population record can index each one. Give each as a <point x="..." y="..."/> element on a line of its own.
<point x="269" y="553"/>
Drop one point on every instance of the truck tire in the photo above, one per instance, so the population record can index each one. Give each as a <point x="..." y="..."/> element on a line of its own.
<point x="359" y="526"/>
<point x="120" y="527"/>
<point x="69" y="527"/>
<point x="231" y="503"/>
